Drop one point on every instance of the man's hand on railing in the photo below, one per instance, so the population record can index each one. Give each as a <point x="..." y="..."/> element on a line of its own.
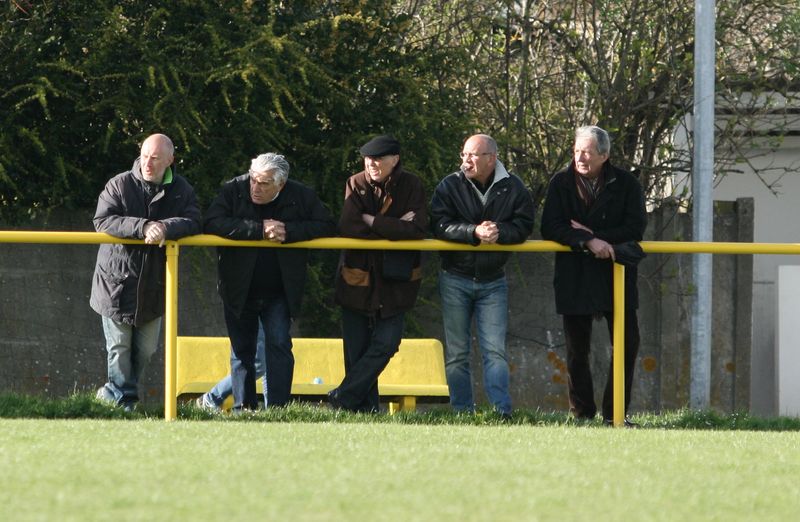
<point x="487" y="232"/>
<point x="274" y="230"/>
<point x="600" y="249"/>
<point x="155" y="233"/>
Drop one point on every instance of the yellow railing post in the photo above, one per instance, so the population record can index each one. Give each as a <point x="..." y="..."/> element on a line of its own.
<point x="619" y="345"/>
<point x="171" y="332"/>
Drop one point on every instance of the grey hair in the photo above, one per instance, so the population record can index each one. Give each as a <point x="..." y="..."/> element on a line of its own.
<point x="271" y="162"/>
<point x="599" y="136"/>
<point x="490" y="142"/>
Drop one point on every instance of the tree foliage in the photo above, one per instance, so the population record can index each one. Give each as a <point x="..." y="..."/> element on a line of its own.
<point x="533" y="70"/>
<point x="87" y="81"/>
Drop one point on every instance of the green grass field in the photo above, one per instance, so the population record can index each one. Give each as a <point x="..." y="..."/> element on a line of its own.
<point x="307" y="463"/>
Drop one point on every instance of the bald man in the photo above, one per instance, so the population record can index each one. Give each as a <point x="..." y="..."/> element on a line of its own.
<point x="152" y="203"/>
<point x="480" y="204"/>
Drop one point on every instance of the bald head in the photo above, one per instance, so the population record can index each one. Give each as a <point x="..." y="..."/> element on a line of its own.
<point x="157" y="154"/>
<point x="478" y="157"/>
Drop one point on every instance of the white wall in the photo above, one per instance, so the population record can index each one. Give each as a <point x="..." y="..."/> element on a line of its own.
<point x="776" y="220"/>
<point x="788" y="352"/>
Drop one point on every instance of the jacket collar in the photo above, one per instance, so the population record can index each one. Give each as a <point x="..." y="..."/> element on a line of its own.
<point x="609" y="173"/>
<point x="500" y="173"/>
<point x="610" y="186"/>
<point x="137" y="173"/>
<point x="386" y="184"/>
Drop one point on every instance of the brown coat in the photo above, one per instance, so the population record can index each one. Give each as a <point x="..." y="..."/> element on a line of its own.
<point x="360" y="282"/>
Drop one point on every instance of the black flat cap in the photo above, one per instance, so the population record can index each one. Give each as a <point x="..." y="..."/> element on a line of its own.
<point x="384" y="145"/>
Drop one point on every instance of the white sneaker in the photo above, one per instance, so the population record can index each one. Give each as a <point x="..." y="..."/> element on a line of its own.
<point x="105" y="395"/>
<point x="204" y="403"/>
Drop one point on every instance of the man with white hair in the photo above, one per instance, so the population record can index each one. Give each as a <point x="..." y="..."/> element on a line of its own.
<point x="148" y="202"/>
<point x="264" y="284"/>
<point x="596" y="209"/>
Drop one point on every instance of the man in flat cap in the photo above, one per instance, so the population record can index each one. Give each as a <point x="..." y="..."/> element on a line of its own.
<point x="480" y="204"/>
<point x="375" y="288"/>
<point x="264" y="285"/>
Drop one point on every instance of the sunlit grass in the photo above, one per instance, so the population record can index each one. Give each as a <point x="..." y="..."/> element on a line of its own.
<point x="348" y="467"/>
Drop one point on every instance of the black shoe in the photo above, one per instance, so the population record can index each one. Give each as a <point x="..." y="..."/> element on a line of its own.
<point x="581" y="420"/>
<point x="333" y="399"/>
<point x="627" y="423"/>
<point x="128" y="406"/>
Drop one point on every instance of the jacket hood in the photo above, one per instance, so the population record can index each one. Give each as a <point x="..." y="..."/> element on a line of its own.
<point x="137" y="172"/>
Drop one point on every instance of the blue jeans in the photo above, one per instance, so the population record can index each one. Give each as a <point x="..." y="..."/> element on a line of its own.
<point x="487" y="302"/>
<point x="224" y="388"/>
<point x="272" y="311"/>
<point x="129" y="350"/>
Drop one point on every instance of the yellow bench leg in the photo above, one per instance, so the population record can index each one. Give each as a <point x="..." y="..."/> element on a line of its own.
<point x="408" y="403"/>
<point x="404" y="404"/>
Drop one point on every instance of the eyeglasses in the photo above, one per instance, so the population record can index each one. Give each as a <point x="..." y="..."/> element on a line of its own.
<point x="473" y="155"/>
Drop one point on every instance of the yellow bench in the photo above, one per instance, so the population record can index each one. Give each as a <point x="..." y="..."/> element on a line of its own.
<point x="415" y="371"/>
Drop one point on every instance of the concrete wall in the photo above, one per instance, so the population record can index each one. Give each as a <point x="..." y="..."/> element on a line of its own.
<point x="51" y="342"/>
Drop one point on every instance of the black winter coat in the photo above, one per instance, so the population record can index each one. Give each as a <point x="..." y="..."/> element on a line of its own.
<point x="583" y="284"/>
<point x="128" y="282"/>
<point x="233" y="215"/>
<point x="456" y="210"/>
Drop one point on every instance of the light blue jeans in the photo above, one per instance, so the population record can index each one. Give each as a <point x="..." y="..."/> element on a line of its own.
<point x="129" y="350"/>
<point x="487" y="302"/>
<point x="224" y="388"/>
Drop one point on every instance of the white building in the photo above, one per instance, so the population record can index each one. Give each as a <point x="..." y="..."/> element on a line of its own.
<point x="767" y="169"/>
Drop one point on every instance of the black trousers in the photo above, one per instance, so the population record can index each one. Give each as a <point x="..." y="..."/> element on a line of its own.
<point x="578" y="335"/>
<point x="369" y="344"/>
<point x="273" y="313"/>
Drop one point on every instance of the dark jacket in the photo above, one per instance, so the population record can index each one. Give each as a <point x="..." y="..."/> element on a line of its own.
<point x="456" y="209"/>
<point x="360" y="282"/>
<point x="128" y="282"/>
<point x="584" y="284"/>
<point x="233" y="215"/>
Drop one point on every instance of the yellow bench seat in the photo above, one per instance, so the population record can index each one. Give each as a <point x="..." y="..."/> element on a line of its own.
<point x="415" y="371"/>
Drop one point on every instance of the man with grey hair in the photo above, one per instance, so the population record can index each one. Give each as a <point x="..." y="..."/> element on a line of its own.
<point x="597" y="210"/>
<point x="153" y="203"/>
<point x="264" y="284"/>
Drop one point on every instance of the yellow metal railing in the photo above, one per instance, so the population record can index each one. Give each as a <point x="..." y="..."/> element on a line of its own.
<point x="619" y="345"/>
<point x="173" y="247"/>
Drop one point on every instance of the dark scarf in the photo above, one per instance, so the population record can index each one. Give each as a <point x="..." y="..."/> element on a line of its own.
<point x="589" y="189"/>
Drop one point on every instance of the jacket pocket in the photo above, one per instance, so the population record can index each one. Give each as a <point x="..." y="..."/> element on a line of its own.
<point x="355" y="276"/>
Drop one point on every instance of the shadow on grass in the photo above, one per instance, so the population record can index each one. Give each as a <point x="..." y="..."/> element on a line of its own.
<point x="85" y="406"/>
